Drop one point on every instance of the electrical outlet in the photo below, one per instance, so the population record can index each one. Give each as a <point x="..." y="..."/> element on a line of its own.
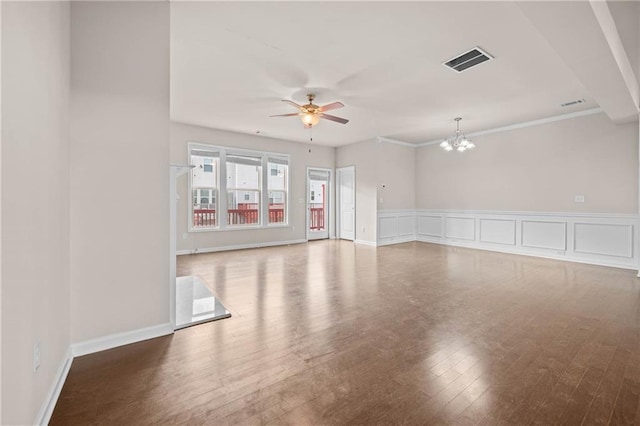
<point x="579" y="198"/>
<point x="363" y="229"/>
<point x="185" y="235"/>
<point x="36" y="356"/>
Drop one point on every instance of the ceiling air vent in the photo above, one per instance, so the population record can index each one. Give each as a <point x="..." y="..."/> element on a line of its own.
<point x="576" y="102"/>
<point x="468" y="59"/>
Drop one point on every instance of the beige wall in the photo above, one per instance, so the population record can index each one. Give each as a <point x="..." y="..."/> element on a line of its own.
<point x="35" y="202"/>
<point x="395" y="176"/>
<point x="539" y="168"/>
<point x="119" y="167"/>
<point x="362" y="155"/>
<point x="385" y="180"/>
<point x="302" y="156"/>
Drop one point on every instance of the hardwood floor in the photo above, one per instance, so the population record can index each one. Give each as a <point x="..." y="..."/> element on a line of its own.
<point x="335" y="333"/>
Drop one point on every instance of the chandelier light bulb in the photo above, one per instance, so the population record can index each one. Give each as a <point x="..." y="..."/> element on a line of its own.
<point x="458" y="141"/>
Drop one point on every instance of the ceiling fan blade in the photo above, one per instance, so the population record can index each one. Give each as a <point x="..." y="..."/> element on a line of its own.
<point x="286" y="115"/>
<point x="334" y="118"/>
<point x="329" y="107"/>
<point x="292" y="103"/>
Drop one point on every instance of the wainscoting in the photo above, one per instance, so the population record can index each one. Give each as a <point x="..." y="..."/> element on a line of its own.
<point x="600" y="239"/>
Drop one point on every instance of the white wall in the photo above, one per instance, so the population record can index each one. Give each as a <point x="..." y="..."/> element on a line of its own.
<point x="626" y="15"/>
<point x="362" y="155"/>
<point x="301" y="157"/>
<point x="35" y="202"/>
<point x="539" y="168"/>
<point x="119" y="167"/>
<point x="385" y="180"/>
<point x="396" y="176"/>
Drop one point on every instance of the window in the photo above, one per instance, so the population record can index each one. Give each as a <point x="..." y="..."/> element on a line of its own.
<point x="277" y="186"/>
<point x="204" y="188"/>
<point x="233" y="188"/>
<point x="243" y="189"/>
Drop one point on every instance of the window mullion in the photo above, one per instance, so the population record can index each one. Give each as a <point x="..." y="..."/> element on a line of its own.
<point x="224" y="216"/>
<point x="264" y="195"/>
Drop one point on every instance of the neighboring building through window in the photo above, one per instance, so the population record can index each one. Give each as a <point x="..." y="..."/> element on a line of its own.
<point x="204" y="188"/>
<point x="278" y="186"/>
<point x="254" y="188"/>
<point x="243" y="189"/>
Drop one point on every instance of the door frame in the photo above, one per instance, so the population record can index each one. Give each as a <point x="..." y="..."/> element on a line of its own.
<point x="327" y="196"/>
<point x="340" y="170"/>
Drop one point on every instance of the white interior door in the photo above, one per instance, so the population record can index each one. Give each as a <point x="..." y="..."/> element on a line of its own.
<point x="318" y="191"/>
<point x="346" y="184"/>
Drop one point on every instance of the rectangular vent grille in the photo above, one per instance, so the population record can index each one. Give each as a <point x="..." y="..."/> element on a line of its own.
<point x="468" y="59"/>
<point x="576" y="102"/>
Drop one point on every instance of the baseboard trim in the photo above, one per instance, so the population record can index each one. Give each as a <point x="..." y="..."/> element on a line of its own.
<point x="396" y="240"/>
<point x="366" y="243"/>
<point x="240" y="247"/>
<point x="120" y="339"/>
<point x="44" y="415"/>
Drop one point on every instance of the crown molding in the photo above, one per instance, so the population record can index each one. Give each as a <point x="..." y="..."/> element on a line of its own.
<point x="396" y="142"/>
<point x="524" y="124"/>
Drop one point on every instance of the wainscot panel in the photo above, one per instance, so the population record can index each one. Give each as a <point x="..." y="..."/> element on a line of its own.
<point x="600" y="239"/>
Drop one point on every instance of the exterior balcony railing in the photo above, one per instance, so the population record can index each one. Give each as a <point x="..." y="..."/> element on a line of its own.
<point x="208" y="218"/>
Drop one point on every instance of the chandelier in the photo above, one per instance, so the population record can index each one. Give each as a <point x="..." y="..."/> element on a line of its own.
<point x="459" y="141"/>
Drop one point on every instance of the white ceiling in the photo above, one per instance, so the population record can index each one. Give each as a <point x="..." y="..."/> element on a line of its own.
<point x="232" y="63"/>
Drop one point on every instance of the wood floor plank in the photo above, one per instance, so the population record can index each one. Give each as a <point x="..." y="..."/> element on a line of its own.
<point x="333" y="333"/>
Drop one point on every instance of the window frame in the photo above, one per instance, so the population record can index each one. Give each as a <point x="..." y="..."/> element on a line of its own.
<point x="222" y="190"/>
<point x="215" y="189"/>
<point x="260" y="189"/>
<point x="283" y="158"/>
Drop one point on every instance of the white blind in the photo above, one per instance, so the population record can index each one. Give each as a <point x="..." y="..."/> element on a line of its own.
<point x="204" y="153"/>
<point x="242" y="159"/>
<point x="318" y="175"/>
<point x="278" y="160"/>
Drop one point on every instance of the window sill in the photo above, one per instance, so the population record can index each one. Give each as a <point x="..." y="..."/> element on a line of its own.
<point x="240" y="228"/>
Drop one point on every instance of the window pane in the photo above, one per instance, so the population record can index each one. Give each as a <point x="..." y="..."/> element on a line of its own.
<point x="277" y="186"/>
<point x="278" y="176"/>
<point x="243" y="207"/>
<point x="205" y="211"/>
<point x="277" y="206"/>
<point x="243" y="172"/>
<point x="204" y="184"/>
<point x="205" y="172"/>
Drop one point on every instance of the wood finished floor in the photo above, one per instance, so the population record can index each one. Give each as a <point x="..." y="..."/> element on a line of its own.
<point x="335" y="333"/>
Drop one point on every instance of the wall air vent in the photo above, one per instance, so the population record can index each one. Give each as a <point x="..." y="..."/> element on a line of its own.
<point x="468" y="59"/>
<point x="576" y="102"/>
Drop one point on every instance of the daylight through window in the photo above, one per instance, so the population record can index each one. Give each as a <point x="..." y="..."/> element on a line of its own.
<point x="235" y="188"/>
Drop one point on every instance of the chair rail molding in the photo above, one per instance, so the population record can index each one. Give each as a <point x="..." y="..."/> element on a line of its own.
<point x="596" y="238"/>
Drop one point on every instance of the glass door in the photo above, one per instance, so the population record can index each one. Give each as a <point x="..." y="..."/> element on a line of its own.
<point x="318" y="186"/>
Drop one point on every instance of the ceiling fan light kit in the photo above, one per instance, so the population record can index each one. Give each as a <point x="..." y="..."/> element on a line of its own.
<point x="459" y="141"/>
<point x="311" y="114"/>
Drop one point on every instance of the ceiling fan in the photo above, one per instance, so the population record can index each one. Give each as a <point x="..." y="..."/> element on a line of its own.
<point x="311" y="114"/>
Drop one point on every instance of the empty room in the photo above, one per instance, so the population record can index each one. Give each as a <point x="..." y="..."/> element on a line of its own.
<point x="320" y="212"/>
